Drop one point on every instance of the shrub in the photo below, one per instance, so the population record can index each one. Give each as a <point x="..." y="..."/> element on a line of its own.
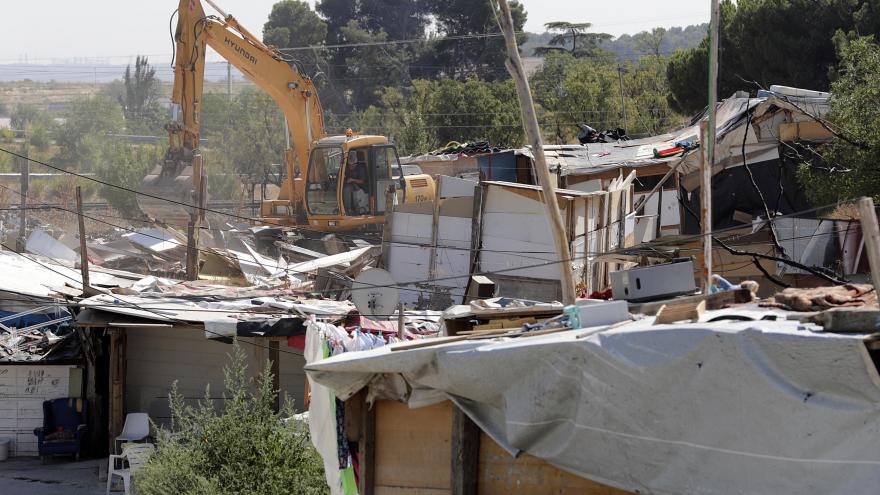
<point x="245" y="448"/>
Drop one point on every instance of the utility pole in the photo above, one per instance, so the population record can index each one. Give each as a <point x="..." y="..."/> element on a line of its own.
<point x="196" y="216"/>
<point x="621" y="70"/>
<point x="25" y="181"/>
<point x="530" y="121"/>
<point x="707" y="145"/>
<point x="83" y="254"/>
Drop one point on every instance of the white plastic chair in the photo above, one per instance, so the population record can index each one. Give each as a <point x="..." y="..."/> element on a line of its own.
<point x="136" y="429"/>
<point x="133" y="458"/>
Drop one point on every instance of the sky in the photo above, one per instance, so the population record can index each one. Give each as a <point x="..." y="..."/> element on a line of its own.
<point x="114" y="31"/>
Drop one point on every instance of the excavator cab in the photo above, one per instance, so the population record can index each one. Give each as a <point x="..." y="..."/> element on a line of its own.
<point x="347" y="177"/>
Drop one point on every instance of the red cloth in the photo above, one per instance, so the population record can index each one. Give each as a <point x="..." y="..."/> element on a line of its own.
<point x="367" y="325"/>
<point x="605" y="294"/>
<point x="297" y="341"/>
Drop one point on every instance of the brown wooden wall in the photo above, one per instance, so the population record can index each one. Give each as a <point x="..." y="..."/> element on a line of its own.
<point x="412" y="454"/>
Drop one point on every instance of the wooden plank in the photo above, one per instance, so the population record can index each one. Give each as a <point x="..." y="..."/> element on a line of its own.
<point x="413" y="448"/>
<point x="499" y="472"/>
<point x="465" y="453"/>
<point x="275" y="361"/>
<point x="718" y="300"/>
<point x="367" y="447"/>
<point x="671" y="313"/>
<point x="849" y="320"/>
<point x="417" y="344"/>
<point x="808" y="131"/>
<point x="871" y="233"/>
<point x="406" y="490"/>
<point x="116" y="413"/>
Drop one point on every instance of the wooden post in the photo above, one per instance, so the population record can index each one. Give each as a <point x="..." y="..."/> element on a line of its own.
<point x="707" y="143"/>
<point x="530" y="122"/>
<point x="387" y="226"/>
<point x="192" y="230"/>
<point x="871" y="233"/>
<point x="401" y="330"/>
<point x="25" y="180"/>
<point x="706" y="209"/>
<point x="117" y="384"/>
<point x="367" y="449"/>
<point x="465" y="454"/>
<point x="274" y="355"/>
<point x="83" y="254"/>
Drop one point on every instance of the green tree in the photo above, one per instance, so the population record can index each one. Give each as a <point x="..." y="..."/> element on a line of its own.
<point x="473" y="54"/>
<point x="400" y="114"/>
<point x="26" y="114"/>
<point x="36" y="123"/>
<point x="245" y="448"/>
<point x="139" y="101"/>
<point x="571" y="91"/>
<point x="651" y="42"/>
<point x="119" y="163"/>
<point x="85" y="124"/>
<point x="476" y="110"/>
<point x="292" y="23"/>
<point x="786" y="42"/>
<point x="248" y="130"/>
<point x="371" y="68"/>
<point x="849" y="168"/>
<point x="574" y="39"/>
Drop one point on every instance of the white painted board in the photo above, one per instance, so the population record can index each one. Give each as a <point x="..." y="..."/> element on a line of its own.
<point x="23" y="388"/>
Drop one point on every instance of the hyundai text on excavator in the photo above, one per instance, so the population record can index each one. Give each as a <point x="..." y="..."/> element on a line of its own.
<point x="332" y="183"/>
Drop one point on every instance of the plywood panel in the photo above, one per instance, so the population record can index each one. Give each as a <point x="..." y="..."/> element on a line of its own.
<point x="157" y="357"/>
<point x="401" y="490"/>
<point x="413" y="448"/>
<point x="413" y="456"/>
<point x="526" y="475"/>
<point x="22" y="392"/>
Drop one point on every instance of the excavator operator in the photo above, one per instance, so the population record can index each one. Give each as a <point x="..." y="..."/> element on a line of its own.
<point x="355" y="196"/>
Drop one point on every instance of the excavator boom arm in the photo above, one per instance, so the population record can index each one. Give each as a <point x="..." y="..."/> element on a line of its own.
<point x="292" y="91"/>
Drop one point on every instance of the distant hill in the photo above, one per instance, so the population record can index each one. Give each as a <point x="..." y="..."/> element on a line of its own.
<point x="624" y="46"/>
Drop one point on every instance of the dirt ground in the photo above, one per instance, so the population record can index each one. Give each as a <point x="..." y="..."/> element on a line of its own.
<point x="29" y="476"/>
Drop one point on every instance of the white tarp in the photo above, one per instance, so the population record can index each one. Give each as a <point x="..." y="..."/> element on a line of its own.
<point x="154" y="239"/>
<point x="751" y="407"/>
<point x="39" y="242"/>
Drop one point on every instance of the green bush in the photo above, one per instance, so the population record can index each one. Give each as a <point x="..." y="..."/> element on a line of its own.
<point x="245" y="448"/>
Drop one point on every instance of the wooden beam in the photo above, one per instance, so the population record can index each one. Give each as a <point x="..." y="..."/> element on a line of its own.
<point x="388" y="223"/>
<point x="530" y="122"/>
<point x="465" y="454"/>
<point x="367" y="448"/>
<point x="116" y="414"/>
<point x="849" y="320"/>
<point x="274" y="358"/>
<point x="671" y="313"/>
<point x="83" y="253"/>
<point x="871" y="233"/>
<point x="706" y="209"/>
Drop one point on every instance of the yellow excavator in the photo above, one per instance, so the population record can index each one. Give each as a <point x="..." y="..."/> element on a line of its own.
<point x="332" y="183"/>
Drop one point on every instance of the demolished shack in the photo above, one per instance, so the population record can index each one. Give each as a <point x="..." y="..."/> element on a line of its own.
<point x="643" y="405"/>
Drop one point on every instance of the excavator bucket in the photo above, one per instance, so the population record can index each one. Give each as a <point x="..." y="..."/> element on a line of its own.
<point x="169" y="193"/>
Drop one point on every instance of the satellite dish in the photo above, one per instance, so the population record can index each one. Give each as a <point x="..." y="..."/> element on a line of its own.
<point x="374" y="293"/>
